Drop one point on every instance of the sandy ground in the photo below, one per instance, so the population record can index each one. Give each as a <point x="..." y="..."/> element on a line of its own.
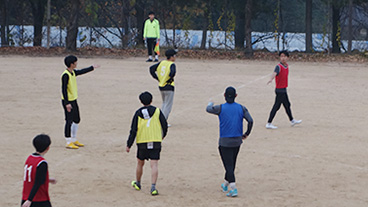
<point x="322" y="162"/>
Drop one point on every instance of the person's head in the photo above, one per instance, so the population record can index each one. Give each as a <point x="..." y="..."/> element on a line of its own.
<point x="71" y="61"/>
<point x="42" y="143"/>
<point x="146" y="98"/>
<point x="151" y="15"/>
<point x="284" y="56"/>
<point x="230" y="94"/>
<point x="171" y="54"/>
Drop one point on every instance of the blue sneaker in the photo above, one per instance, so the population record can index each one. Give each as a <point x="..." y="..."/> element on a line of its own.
<point x="224" y="187"/>
<point x="232" y="193"/>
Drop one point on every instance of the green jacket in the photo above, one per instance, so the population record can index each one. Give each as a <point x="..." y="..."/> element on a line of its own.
<point x="151" y="29"/>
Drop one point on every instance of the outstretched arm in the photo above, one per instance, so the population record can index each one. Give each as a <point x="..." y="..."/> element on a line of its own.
<point x="213" y="109"/>
<point x="86" y="70"/>
<point x="274" y="74"/>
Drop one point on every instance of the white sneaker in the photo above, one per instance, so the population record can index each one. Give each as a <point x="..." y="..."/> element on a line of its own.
<point x="294" y="121"/>
<point x="168" y="125"/>
<point x="270" y="126"/>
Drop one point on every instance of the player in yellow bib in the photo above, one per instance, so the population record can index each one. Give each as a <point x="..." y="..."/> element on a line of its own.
<point x="164" y="72"/>
<point x="149" y="128"/>
<point x="69" y="95"/>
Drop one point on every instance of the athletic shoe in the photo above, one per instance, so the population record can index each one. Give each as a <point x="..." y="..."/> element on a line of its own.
<point x="149" y="60"/>
<point x="270" y="126"/>
<point x="168" y="125"/>
<point x="156" y="60"/>
<point x="224" y="187"/>
<point x="232" y="193"/>
<point x="77" y="143"/>
<point x="71" y="145"/>
<point x="135" y="185"/>
<point x="293" y="122"/>
<point x="154" y="192"/>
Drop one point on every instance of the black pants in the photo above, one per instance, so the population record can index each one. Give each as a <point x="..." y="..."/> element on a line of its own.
<point x="70" y="117"/>
<point x="228" y="157"/>
<point x="151" y="43"/>
<point x="281" y="98"/>
<point x="39" y="204"/>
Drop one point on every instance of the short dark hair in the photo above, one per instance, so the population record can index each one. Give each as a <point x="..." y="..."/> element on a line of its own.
<point x="145" y="98"/>
<point x="284" y="52"/>
<point x="68" y="60"/>
<point x="151" y="12"/>
<point x="230" y="94"/>
<point x="41" y="142"/>
<point x="170" y="52"/>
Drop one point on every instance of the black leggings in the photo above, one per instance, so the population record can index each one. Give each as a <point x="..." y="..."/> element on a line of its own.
<point x="228" y="157"/>
<point x="70" y="117"/>
<point x="151" y="43"/>
<point x="39" y="204"/>
<point x="281" y="98"/>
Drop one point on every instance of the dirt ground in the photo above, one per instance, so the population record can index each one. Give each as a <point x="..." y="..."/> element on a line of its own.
<point x="322" y="162"/>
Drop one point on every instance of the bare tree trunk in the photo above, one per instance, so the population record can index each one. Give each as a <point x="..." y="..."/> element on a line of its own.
<point x="240" y="25"/>
<point x="4" y="23"/>
<point x="48" y="22"/>
<point x="204" y="31"/>
<point x="335" y="28"/>
<point x="38" y="11"/>
<point x="248" y="28"/>
<point x="350" y="27"/>
<point x="139" y="7"/>
<point x="72" y="28"/>
<point x="308" y="27"/>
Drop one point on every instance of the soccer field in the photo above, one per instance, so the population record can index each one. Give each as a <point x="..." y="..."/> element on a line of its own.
<point x="322" y="162"/>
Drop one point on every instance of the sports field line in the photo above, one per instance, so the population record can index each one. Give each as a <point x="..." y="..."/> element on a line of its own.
<point x="244" y="85"/>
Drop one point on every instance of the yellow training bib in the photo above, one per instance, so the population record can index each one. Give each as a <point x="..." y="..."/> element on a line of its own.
<point x="149" y="130"/>
<point x="163" y="72"/>
<point x="72" y="86"/>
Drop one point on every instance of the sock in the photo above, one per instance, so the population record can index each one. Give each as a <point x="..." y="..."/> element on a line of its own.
<point x="153" y="187"/>
<point x="68" y="140"/>
<point x="138" y="183"/>
<point x="74" y="130"/>
<point x="150" y="57"/>
<point x="226" y="183"/>
<point x="156" y="57"/>
<point x="232" y="186"/>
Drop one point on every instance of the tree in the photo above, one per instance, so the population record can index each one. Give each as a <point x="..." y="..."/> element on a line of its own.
<point x="139" y="7"/>
<point x="336" y="35"/>
<point x="239" y="23"/>
<point x="308" y="27"/>
<point x="248" y="28"/>
<point x="38" y="12"/>
<point x="72" y="28"/>
<point x="350" y="26"/>
<point x="4" y="4"/>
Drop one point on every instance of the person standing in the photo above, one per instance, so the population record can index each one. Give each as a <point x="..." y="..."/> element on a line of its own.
<point x="36" y="176"/>
<point x="69" y="95"/>
<point x="231" y="115"/>
<point x="149" y="128"/>
<point x="281" y="74"/>
<point x="151" y="34"/>
<point x="164" y="72"/>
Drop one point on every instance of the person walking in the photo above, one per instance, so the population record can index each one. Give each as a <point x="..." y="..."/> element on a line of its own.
<point x="149" y="128"/>
<point x="281" y="74"/>
<point x="231" y="115"/>
<point x="165" y="72"/>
